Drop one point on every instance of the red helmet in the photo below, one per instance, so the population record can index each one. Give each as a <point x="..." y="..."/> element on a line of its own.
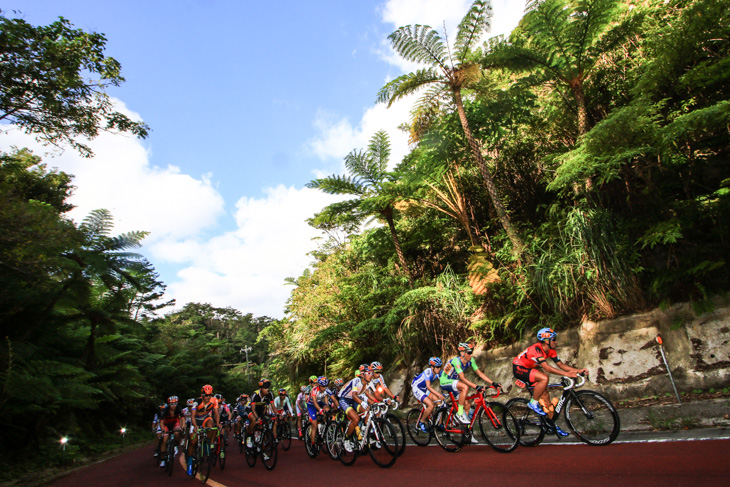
<point x="207" y="389"/>
<point x="172" y="400"/>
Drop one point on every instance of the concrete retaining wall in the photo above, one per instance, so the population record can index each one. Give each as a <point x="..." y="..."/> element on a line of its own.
<point x="623" y="357"/>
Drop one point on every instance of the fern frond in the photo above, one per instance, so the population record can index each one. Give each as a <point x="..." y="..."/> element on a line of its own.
<point x="337" y="184"/>
<point x="379" y="150"/>
<point x="98" y="223"/>
<point x="407" y="84"/>
<point x="419" y="43"/>
<point x="471" y="28"/>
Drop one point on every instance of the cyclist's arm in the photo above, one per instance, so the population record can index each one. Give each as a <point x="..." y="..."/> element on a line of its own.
<point x="553" y="370"/>
<point x="217" y="416"/>
<point x="484" y="377"/>
<point x="288" y="406"/>
<point x="572" y="371"/>
<point x="433" y="391"/>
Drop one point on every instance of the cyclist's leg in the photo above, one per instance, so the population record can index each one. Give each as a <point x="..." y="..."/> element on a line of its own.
<point x="312" y="412"/>
<point x="428" y="407"/>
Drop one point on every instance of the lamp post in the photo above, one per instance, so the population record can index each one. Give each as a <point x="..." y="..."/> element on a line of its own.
<point x="63" y="442"/>
<point x="246" y="350"/>
<point x="123" y="431"/>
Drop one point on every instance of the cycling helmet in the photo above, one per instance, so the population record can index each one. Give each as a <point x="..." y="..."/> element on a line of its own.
<point x="364" y="368"/>
<point x="435" y="362"/>
<point x="466" y="347"/>
<point x="218" y="396"/>
<point x="191" y="401"/>
<point x="357" y="373"/>
<point x="546" y="334"/>
<point x="163" y="406"/>
<point x="303" y="388"/>
<point x="265" y="383"/>
<point x="323" y="381"/>
<point x="312" y="378"/>
<point x="243" y="397"/>
<point x="376" y="367"/>
<point x="172" y="400"/>
<point x="207" y="389"/>
<point x="339" y="382"/>
<point x="282" y="392"/>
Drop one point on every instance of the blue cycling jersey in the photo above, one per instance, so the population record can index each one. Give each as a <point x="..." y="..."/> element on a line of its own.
<point x="419" y="382"/>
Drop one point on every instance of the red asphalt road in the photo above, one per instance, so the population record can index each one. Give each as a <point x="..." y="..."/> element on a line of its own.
<point x="697" y="463"/>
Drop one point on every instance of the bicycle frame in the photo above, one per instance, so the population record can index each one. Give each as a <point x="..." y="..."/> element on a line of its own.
<point x="568" y="385"/>
<point x="479" y="404"/>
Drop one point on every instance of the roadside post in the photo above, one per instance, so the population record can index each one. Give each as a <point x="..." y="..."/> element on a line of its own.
<point x="666" y="364"/>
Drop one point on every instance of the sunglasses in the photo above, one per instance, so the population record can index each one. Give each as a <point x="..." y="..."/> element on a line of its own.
<point x="207" y="395"/>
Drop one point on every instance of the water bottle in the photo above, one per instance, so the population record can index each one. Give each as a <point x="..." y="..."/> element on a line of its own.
<point x="320" y="427"/>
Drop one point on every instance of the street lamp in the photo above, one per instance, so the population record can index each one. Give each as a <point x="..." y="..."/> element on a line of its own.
<point x="63" y="442"/>
<point x="123" y="431"/>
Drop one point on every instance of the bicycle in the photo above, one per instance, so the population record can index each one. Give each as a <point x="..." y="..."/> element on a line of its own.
<point x="169" y="455"/>
<point x="379" y="439"/>
<point x="203" y="460"/>
<point x="263" y="443"/>
<point x="415" y="416"/>
<point x="330" y="432"/>
<point x="313" y="449"/>
<point x="589" y="415"/>
<point x="219" y="448"/>
<point x="396" y="422"/>
<point x="283" y="430"/>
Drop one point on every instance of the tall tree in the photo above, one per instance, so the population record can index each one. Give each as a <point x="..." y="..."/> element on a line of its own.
<point x="369" y="183"/>
<point x="452" y="73"/>
<point x="53" y="80"/>
<point x="564" y="40"/>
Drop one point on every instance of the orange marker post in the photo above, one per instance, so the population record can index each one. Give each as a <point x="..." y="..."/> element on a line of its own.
<point x="666" y="364"/>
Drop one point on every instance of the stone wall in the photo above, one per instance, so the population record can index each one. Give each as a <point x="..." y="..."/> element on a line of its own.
<point x="623" y="357"/>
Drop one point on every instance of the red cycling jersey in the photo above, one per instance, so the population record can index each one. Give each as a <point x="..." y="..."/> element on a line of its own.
<point x="534" y="355"/>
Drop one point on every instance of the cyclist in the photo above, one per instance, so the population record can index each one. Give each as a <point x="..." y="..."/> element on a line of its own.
<point x="261" y="403"/>
<point x="240" y="413"/>
<point x="317" y="404"/>
<point x="350" y="400"/>
<point x="283" y="405"/>
<point x="332" y="391"/>
<point x="525" y="368"/>
<point x="301" y="407"/>
<point x="453" y="378"/>
<point x="157" y="428"/>
<point x="377" y="386"/>
<point x="424" y="392"/>
<point x="187" y="413"/>
<point x="206" y="412"/>
<point x="225" y="411"/>
<point x="170" y="424"/>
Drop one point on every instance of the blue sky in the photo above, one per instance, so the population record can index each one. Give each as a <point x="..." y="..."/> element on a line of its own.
<point x="247" y="101"/>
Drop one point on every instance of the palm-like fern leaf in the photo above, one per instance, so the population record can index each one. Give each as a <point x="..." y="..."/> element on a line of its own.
<point x="421" y="44"/>
<point x="407" y="84"/>
<point x="337" y="184"/>
<point x="475" y="23"/>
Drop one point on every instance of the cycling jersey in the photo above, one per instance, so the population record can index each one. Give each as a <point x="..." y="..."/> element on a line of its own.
<point x="535" y="355"/>
<point x="318" y="394"/>
<point x="203" y="411"/>
<point x="453" y="368"/>
<point x="260" y="401"/>
<point x="375" y="382"/>
<point x="283" y="405"/>
<point x="419" y="381"/>
<point x="355" y="386"/>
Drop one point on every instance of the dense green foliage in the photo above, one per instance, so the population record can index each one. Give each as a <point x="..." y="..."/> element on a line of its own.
<point x="603" y="126"/>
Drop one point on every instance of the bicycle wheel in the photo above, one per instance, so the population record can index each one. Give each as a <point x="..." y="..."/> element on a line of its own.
<point x="347" y="453"/>
<point x="498" y="427"/>
<point x="206" y="461"/>
<point x="169" y="456"/>
<point x="222" y="454"/>
<point x="400" y="431"/>
<point x="419" y="437"/>
<point x="312" y="448"/>
<point x="383" y="443"/>
<point x="284" y="434"/>
<point x="240" y="441"/>
<point x="592" y="418"/>
<point x="449" y="435"/>
<point x="330" y="439"/>
<point x="214" y="450"/>
<point x="269" y="452"/>
<point x="529" y="424"/>
<point x="250" y="452"/>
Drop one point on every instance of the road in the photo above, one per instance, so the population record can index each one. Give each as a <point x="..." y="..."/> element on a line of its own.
<point x="696" y="463"/>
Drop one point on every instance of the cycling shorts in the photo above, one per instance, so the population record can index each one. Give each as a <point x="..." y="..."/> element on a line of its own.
<point x="420" y="395"/>
<point x="524" y="374"/>
<point x="451" y="387"/>
<point x="347" y="403"/>
<point x="299" y="411"/>
<point x="171" y="426"/>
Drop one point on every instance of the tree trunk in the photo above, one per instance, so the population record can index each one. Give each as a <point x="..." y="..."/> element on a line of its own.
<point x="388" y="214"/>
<point x="489" y="183"/>
<point x="580" y="103"/>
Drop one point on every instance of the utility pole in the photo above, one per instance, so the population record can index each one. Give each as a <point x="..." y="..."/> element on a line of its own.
<point x="246" y="350"/>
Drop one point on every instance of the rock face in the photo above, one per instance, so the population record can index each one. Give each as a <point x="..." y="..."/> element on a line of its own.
<point x="623" y="356"/>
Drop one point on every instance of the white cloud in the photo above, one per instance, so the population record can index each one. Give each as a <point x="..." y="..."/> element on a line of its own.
<point x="120" y="178"/>
<point x="246" y="268"/>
